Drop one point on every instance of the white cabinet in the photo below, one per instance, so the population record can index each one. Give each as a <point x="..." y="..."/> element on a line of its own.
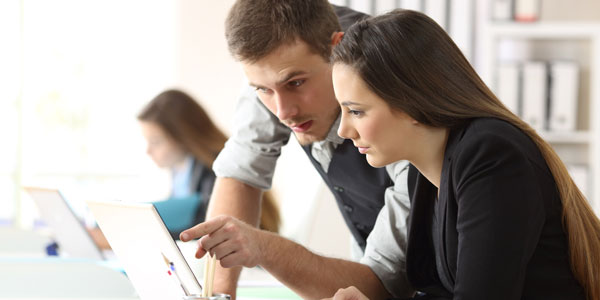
<point x="579" y="42"/>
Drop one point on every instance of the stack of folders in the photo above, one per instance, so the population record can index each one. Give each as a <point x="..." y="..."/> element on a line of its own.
<point x="543" y="94"/>
<point x="377" y="7"/>
<point x="516" y="10"/>
<point x="579" y="174"/>
<point x="457" y="17"/>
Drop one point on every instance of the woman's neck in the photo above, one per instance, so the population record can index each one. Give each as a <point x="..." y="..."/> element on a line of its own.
<point x="430" y="159"/>
<point x="181" y="164"/>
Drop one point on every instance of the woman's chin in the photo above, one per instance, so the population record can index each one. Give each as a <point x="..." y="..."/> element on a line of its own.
<point x="374" y="162"/>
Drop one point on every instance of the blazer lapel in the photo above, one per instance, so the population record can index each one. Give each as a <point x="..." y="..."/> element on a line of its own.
<point x="444" y="198"/>
<point x="420" y="262"/>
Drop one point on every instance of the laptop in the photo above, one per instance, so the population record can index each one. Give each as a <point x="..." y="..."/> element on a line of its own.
<point x="143" y="245"/>
<point x="74" y="241"/>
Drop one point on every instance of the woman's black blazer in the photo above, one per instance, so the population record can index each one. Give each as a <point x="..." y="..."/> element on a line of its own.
<point x="498" y="221"/>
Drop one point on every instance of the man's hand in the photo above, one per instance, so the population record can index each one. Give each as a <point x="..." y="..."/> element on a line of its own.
<point x="350" y="293"/>
<point x="234" y="242"/>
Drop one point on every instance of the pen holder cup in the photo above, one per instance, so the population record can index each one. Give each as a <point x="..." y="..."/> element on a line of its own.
<point x="213" y="297"/>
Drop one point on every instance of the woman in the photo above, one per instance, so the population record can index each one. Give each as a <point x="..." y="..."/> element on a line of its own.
<point x="183" y="138"/>
<point x="494" y="213"/>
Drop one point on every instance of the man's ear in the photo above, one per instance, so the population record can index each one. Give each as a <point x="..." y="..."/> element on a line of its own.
<point x="336" y="37"/>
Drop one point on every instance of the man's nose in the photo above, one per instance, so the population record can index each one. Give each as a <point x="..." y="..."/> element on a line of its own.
<point x="286" y="107"/>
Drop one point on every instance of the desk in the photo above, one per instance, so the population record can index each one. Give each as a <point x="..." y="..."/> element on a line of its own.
<point x="256" y="283"/>
<point x="61" y="278"/>
<point x="272" y="293"/>
<point x="27" y="274"/>
<point x="56" y="278"/>
<point x="22" y="243"/>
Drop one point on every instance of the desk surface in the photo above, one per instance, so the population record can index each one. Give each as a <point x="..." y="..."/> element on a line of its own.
<point x="254" y="283"/>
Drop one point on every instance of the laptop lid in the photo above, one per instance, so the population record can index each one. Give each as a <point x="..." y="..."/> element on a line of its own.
<point x="143" y="245"/>
<point x="73" y="239"/>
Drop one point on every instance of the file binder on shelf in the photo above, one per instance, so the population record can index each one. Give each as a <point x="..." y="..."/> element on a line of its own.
<point x="534" y="94"/>
<point x="508" y="86"/>
<point x="365" y="6"/>
<point x="579" y="174"/>
<point x="437" y="9"/>
<point x="412" y="5"/>
<point x="564" y="86"/>
<point x="502" y="10"/>
<point x="460" y="25"/>
<point x="527" y="10"/>
<point x="339" y="2"/>
<point x="383" y="6"/>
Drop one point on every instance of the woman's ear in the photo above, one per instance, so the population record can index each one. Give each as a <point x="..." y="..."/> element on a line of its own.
<point x="410" y="119"/>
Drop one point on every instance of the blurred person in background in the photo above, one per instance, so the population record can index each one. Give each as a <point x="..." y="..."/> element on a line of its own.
<point x="181" y="137"/>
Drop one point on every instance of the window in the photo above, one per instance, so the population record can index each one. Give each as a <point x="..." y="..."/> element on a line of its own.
<point x="78" y="73"/>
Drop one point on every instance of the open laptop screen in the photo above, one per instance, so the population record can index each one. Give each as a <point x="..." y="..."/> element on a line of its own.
<point x="73" y="239"/>
<point x="144" y="247"/>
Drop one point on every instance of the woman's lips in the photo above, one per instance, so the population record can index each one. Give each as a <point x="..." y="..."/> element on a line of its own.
<point x="363" y="150"/>
<point x="302" y="127"/>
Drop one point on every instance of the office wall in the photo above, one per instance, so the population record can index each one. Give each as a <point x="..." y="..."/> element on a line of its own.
<point x="204" y="65"/>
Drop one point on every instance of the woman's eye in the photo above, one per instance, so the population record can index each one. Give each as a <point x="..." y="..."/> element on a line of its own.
<point x="355" y="112"/>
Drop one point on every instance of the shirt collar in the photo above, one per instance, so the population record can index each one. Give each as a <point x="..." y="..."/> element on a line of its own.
<point x="332" y="136"/>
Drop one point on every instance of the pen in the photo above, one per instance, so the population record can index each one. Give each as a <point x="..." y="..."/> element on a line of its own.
<point x="172" y="271"/>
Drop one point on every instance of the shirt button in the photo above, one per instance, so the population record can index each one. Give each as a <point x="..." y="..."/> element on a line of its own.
<point x="348" y="208"/>
<point x="338" y="189"/>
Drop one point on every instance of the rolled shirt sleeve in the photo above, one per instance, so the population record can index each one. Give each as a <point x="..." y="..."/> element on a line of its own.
<point x="385" y="252"/>
<point x="251" y="153"/>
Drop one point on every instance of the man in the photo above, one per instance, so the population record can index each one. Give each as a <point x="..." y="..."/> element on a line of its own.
<point x="284" y="49"/>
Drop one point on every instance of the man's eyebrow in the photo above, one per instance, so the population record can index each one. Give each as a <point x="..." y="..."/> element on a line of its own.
<point x="254" y="85"/>
<point x="285" y="79"/>
<point x="289" y="76"/>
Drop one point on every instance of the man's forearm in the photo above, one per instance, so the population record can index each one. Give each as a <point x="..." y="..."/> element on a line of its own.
<point x="234" y="198"/>
<point x="313" y="276"/>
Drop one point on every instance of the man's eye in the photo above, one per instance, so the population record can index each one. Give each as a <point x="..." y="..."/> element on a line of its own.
<point x="262" y="90"/>
<point x="155" y="142"/>
<point x="296" y="83"/>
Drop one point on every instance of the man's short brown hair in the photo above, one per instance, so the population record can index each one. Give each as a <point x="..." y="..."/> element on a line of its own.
<point x="254" y="28"/>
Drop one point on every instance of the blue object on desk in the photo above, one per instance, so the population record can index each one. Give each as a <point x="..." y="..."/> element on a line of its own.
<point x="52" y="249"/>
<point x="178" y="213"/>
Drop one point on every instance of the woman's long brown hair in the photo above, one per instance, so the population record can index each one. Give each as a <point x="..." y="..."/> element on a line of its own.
<point x="411" y="63"/>
<point x="188" y="124"/>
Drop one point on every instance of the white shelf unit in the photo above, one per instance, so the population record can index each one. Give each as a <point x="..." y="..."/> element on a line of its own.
<point x="577" y="41"/>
